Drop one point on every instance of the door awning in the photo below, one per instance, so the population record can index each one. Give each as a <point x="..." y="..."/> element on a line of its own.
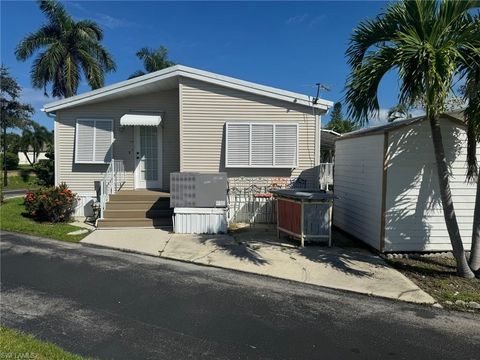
<point x="146" y="119"/>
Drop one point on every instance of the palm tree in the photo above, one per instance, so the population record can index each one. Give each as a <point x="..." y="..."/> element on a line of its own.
<point x="471" y="92"/>
<point x="425" y="42"/>
<point x="399" y="111"/>
<point x="35" y="140"/>
<point x="13" y="113"/>
<point x="66" y="49"/>
<point x="153" y="60"/>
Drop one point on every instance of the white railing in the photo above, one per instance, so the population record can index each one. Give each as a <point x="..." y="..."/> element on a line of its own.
<point x="325" y="175"/>
<point x="112" y="181"/>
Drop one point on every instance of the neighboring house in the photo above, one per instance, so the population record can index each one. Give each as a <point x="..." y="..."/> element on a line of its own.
<point x="23" y="158"/>
<point x="327" y="158"/>
<point x="184" y="119"/>
<point x="328" y="138"/>
<point x="387" y="185"/>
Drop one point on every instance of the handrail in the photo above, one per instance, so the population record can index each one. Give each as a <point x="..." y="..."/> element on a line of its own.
<point x="112" y="181"/>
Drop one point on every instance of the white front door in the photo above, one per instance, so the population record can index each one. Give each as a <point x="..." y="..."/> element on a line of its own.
<point x="148" y="157"/>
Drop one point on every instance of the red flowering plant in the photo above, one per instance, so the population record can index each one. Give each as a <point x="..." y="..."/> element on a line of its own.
<point x="54" y="204"/>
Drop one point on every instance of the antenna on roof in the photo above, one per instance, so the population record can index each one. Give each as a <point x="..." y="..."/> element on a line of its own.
<point x="319" y="87"/>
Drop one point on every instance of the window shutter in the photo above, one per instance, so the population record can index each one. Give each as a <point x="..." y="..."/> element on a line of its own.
<point x="286" y="145"/>
<point x="93" y="141"/>
<point x="238" y="144"/>
<point x="85" y="141"/>
<point x="103" y="141"/>
<point x="262" y="145"/>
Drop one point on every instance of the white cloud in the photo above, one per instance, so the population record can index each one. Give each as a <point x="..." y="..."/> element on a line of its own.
<point x="105" y="20"/>
<point x="297" y="19"/>
<point x="112" y="22"/>
<point x="312" y="21"/>
<point x="316" y="20"/>
<point x="35" y="97"/>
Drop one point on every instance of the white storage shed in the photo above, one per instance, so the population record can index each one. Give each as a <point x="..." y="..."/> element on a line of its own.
<point x="387" y="186"/>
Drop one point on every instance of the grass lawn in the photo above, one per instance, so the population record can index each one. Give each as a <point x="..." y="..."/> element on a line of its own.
<point x="12" y="219"/>
<point x="17" y="345"/>
<point x="436" y="276"/>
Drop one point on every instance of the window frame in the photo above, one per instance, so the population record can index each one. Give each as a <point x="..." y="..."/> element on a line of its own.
<point x="94" y="140"/>
<point x="250" y="123"/>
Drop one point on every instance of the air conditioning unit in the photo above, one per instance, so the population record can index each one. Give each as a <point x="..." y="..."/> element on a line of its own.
<point x="198" y="190"/>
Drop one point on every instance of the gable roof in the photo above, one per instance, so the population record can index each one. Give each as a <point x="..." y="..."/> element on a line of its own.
<point x="456" y="116"/>
<point x="168" y="78"/>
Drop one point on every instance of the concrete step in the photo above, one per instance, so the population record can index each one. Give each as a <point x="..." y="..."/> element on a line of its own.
<point x="132" y="222"/>
<point x="137" y="214"/>
<point x="138" y="205"/>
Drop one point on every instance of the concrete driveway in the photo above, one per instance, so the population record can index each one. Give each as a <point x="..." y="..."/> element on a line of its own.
<point x="343" y="266"/>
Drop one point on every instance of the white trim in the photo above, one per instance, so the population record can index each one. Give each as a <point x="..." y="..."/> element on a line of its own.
<point x="180" y="122"/>
<point x="188" y="72"/>
<point x="56" y="154"/>
<point x="250" y="123"/>
<point x="94" y="139"/>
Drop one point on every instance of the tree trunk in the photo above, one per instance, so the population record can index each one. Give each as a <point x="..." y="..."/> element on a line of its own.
<point x="5" y="176"/>
<point x="474" y="260"/>
<point x="463" y="269"/>
<point x="28" y="158"/>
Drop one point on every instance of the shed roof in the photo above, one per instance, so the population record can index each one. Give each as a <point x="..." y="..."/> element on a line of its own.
<point x="456" y="116"/>
<point x="168" y="79"/>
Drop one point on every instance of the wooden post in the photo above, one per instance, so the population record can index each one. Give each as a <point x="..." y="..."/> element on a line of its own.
<point x="302" y="236"/>
<point x="330" y="223"/>
<point x="278" y="224"/>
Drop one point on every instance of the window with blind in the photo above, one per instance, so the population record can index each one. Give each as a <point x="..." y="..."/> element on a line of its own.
<point x="261" y="145"/>
<point x="93" y="141"/>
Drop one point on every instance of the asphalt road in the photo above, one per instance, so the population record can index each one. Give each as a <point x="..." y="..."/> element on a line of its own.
<point x="8" y="194"/>
<point x="113" y="305"/>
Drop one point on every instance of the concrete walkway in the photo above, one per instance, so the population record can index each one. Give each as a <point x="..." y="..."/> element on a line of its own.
<point x="340" y="267"/>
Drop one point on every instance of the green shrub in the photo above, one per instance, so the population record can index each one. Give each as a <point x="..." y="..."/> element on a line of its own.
<point x="45" y="170"/>
<point x="11" y="159"/>
<point x="55" y="204"/>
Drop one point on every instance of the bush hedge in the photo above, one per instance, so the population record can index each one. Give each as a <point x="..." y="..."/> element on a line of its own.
<point x="45" y="170"/>
<point x="11" y="159"/>
<point x="54" y="204"/>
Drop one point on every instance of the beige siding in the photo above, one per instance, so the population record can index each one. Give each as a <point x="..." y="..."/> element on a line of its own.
<point x="205" y="108"/>
<point x="414" y="216"/>
<point x="81" y="177"/>
<point x="358" y="185"/>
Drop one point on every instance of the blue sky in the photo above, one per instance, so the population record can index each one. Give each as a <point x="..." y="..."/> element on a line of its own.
<point x="290" y="45"/>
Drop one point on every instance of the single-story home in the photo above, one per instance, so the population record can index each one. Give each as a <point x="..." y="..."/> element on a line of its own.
<point x="185" y="119"/>
<point x="387" y="185"/>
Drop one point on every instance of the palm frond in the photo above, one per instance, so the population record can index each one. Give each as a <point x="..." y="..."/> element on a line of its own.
<point x="34" y="41"/>
<point x="370" y="33"/>
<point x="362" y="85"/>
